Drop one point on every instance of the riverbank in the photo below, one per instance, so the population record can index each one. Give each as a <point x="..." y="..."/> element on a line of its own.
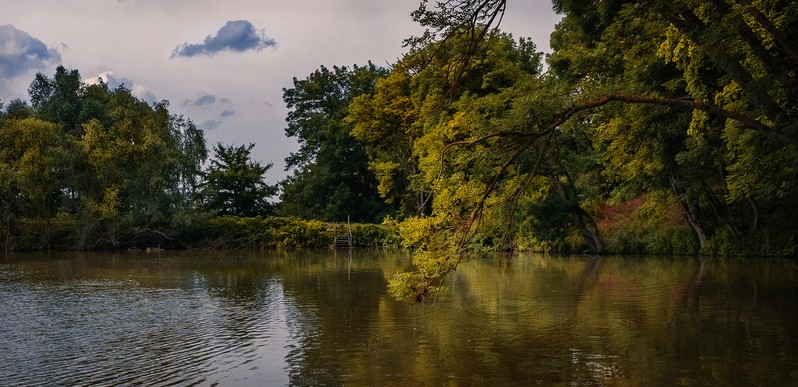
<point x="225" y="232"/>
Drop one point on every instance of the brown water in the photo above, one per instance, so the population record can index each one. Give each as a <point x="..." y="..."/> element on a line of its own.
<point x="323" y="318"/>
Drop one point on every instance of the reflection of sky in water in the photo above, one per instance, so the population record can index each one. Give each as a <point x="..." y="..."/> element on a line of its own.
<point x="324" y="318"/>
<point x="116" y="332"/>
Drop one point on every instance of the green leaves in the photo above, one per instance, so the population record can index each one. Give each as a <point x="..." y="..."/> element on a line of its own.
<point x="114" y="168"/>
<point x="234" y="183"/>
<point x="331" y="179"/>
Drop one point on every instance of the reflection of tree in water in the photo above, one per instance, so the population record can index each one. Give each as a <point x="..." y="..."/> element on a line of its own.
<point x="334" y="305"/>
<point x="729" y="315"/>
<point x="602" y="319"/>
<point x="325" y="319"/>
<point x="522" y="325"/>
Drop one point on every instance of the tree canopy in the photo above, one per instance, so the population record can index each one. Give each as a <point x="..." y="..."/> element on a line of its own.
<point x="234" y="183"/>
<point x="652" y="108"/>
<point x="330" y="179"/>
<point x="85" y="166"/>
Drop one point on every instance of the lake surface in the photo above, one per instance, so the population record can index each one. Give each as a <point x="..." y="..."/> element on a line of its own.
<point x="323" y="318"/>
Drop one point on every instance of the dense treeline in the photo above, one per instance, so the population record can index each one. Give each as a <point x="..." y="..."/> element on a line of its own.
<point x="652" y="127"/>
<point x="84" y="166"/>
<point x="274" y="232"/>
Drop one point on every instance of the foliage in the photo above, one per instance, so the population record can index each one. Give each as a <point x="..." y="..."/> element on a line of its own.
<point x="98" y="167"/>
<point x="385" y="122"/>
<point x="660" y="127"/>
<point x="330" y="179"/>
<point x="234" y="183"/>
<point x="688" y="105"/>
<point x="232" y="232"/>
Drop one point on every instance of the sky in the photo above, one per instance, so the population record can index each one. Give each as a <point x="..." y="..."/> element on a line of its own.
<point x="222" y="64"/>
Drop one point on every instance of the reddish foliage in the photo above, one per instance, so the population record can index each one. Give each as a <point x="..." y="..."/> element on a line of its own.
<point x="612" y="215"/>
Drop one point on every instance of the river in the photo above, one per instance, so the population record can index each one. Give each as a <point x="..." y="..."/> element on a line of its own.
<point x="322" y="317"/>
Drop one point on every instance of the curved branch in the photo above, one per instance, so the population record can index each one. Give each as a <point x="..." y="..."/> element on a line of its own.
<point x="688" y="103"/>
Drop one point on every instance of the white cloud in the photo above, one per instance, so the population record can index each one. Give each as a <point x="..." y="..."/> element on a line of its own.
<point x="113" y="82"/>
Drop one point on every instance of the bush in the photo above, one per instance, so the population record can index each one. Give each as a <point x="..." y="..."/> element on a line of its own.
<point x="231" y="232"/>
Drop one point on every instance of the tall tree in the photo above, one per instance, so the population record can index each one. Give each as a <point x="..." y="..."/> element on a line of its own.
<point x="330" y="179"/>
<point x="58" y="100"/>
<point x="386" y="124"/>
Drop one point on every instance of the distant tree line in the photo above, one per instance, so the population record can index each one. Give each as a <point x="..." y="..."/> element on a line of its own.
<point x="86" y="167"/>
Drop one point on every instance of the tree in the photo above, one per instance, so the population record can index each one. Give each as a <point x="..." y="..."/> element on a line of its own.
<point x="457" y="152"/>
<point x="30" y="154"/>
<point x="735" y="54"/>
<point x="17" y="109"/>
<point x="234" y="183"/>
<point x="712" y="159"/>
<point x="107" y="168"/>
<point x="385" y="122"/>
<point x="331" y="178"/>
<point x="58" y="100"/>
<point x="691" y="98"/>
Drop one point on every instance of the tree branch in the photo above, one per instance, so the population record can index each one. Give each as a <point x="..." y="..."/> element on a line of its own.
<point x="691" y="104"/>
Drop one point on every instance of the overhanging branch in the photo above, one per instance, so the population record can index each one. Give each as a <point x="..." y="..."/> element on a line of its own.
<point x="688" y="103"/>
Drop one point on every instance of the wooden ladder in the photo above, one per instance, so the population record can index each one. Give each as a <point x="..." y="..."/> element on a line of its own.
<point x="343" y="238"/>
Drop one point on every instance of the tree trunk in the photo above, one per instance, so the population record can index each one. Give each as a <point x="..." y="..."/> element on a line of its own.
<point x="690" y="216"/>
<point x="584" y="222"/>
<point x="755" y="214"/>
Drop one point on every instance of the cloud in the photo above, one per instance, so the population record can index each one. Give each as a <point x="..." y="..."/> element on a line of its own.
<point x="210" y="124"/>
<point x="110" y="79"/>
<point x="20" y="52"/>
<point x="144" y="93"/>
<point x="113" y="81"/>
<point x="216" y="122"/>
<point x="204" y="100"/>
<point x="236" y="36"/>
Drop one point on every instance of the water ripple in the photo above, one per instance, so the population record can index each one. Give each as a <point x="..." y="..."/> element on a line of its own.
<point x="95" y="332"/>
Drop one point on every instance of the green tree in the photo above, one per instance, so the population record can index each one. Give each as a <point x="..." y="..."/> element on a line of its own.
<point x="234" y="183"/>
<point x="58" y="100"/>
<point x="104" y="167"/>
<point x="691" y="98"/>
<point x="467" y="123"/>
<point x="331" y="179"/>
<point x="31" y="151"/>
<point x="713" y="159"/>
<point x="385" y="123"/>
<point x="717" y="97"/>
<point x="18" y="109"/>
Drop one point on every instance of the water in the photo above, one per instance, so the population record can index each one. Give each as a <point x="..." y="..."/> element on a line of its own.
<point x="323" y="318"/>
